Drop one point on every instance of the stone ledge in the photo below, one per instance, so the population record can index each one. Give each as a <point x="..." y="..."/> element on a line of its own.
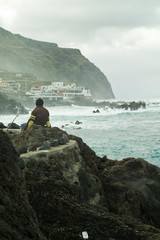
<point x="11" y="130"/>
<point x="53" y="150"/>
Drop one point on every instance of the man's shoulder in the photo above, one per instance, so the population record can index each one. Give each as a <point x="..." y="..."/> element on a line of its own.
<point x="45" y="109"/>
<point x="40" y="109"/>
<point x="34" y="110"/>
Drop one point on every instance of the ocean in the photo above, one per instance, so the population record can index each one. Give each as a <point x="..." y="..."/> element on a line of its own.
<point x="114" y="133"/>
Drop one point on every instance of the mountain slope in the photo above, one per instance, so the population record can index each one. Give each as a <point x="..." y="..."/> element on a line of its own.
<point x="49" y="62"/>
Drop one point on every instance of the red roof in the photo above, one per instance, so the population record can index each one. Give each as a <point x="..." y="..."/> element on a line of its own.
<point x="69" y="83"/>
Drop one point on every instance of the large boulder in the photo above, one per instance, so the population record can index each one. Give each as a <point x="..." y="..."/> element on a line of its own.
<point x="17" y="218"/>
<point x="132" y="188"/>
<point x="35" y="136"/>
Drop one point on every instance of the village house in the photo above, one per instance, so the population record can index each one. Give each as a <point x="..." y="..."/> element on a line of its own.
<point x="59" y="90"/>
<point x="9" y="85"/>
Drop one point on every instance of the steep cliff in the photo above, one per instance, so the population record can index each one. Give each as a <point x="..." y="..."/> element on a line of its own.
<point x="49" y="62"/>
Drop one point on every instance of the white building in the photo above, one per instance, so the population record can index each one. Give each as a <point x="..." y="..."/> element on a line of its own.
<point x="77" y="93"/>
<point x="69" y="85"/>
<point x="60" y="90"/>
<point x="86" y="92"/>
<point x="9" y="85"/>
<point x="57" y="85"/>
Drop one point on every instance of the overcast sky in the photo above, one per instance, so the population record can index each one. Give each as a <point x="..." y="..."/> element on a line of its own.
<point x="121" y="37"/>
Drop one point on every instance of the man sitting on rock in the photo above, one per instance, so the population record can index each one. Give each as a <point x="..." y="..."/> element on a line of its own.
<point x="39" y="115"/>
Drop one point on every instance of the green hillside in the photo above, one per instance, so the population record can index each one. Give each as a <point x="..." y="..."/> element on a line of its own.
<point x="50" y="63"/>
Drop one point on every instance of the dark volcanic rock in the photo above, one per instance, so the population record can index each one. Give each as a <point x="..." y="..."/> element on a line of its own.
<point x="10" y="106"/>
<point x="2" y="125"/>
<point x="46" y="145"/>
<point x="36" y="135"/>
<point x="13" y="126"/>
<point x="134" y="189"/>
<point x="72" y="190"/>
<point x="17" y="218"/>
<point x="132" y="106"/>
<point x="22" y="149"/>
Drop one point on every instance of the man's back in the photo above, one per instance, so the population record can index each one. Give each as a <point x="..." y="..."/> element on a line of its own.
<point x="40" y="115"/>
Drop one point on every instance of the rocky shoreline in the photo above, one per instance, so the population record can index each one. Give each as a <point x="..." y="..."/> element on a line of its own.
<point x="60" y="191"/>
<point x="11" y="106"/>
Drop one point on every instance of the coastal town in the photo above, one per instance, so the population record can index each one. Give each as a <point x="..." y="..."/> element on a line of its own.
<point x="59" y="90"/>
<point x="27" y="87"/>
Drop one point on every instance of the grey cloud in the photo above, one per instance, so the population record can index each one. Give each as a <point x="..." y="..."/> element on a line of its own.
<point x="104" y="31"/>
<point x="90" y="15"/>
<point x="79" y="21"/>
<point x="133" y="74"/>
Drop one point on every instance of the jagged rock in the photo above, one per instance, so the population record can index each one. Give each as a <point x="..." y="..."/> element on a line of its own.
<point x="65" y="137"/>
<point x="54" y="143"/>
<point x="78" y="122"/>
<point x="29" y="137"/>
<point x="67" y="165"/>
<point x="58" y="183"/>
<point x="17" y="218"/>
<point x="134" y="187"/>
<point x="46" y="145"/>
<point x="22" y="149"/>
<point x="21" y="163"/>
<point x="72" y="190"/>
<point x="13" y="126"/>
<point x="130" y="105"/>
<point x="96" y="111"/>
<point x="2" y="125"/>
<point x="119" y="105"/>
<point x="61" y="141"/>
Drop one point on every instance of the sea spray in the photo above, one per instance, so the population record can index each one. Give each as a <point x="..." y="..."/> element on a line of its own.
<point x="115" y="133"/>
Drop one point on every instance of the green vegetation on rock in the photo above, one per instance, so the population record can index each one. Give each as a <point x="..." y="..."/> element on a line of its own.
<point x="51" y="63"/>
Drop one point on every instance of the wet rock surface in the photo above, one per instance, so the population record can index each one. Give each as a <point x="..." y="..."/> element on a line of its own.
<point x="125" y="105"/>
<point x="17" y="218"/>
<point x="72" y="190"/>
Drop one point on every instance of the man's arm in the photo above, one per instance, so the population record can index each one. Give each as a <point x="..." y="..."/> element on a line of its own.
<point x="48" y="123"/>
<point x="30" y="121"/>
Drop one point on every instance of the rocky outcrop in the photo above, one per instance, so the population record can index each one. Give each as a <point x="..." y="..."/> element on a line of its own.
<point x="132" y="188"/>
<point x="132" y="106"/>
<point x="72" y="190"/>
<point x="17" y="219"/>
<point x="10" y="106"/>
<point x="126" y="105"/>
<point x="35" y="136"/>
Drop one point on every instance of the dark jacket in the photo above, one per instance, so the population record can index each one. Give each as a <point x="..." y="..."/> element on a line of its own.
<point x="39" y="116"/>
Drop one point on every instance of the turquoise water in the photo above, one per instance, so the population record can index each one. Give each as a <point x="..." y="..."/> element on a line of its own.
<point x="114" y="133"/>
<point x="119" y="135"/>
